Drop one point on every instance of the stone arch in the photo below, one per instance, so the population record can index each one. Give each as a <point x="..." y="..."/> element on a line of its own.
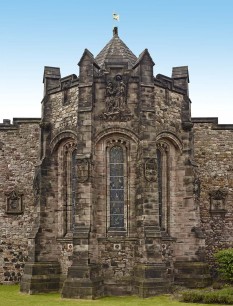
<point x="63" y="151"/>
<point x="171" y="138"/>
<point x="105" y="141"/>
<point x="169" y="159"/>
<point x="60" y="137"/>
<point x="114" y="131"/>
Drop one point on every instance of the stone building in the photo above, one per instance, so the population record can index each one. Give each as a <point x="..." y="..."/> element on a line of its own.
<point x="115" y="189"/>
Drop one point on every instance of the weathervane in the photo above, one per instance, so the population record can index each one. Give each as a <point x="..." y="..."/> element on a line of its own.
<point x="116" y="16"/>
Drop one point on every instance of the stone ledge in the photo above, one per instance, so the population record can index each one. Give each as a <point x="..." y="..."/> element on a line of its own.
<point x="213" y="121"/>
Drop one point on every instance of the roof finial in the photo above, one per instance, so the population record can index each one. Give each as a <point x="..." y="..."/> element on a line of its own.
<point x="115" y="31"/>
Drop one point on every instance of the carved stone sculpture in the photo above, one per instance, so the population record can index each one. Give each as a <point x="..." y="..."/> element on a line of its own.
<point x="116" y="108"/>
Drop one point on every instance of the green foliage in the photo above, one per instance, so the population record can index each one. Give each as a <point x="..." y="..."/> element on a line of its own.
<point x="223" y="296"/>
<point x="224" y="259"/>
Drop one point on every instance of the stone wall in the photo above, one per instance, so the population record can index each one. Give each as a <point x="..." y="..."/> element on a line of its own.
<point x="213" y="153"/>
<point x="62" y="115"/>
<point x="59" y="119"/>
<point x="19" y="152"/>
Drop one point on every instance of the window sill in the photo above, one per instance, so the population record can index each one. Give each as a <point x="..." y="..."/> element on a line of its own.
<point x="113" y="232"/>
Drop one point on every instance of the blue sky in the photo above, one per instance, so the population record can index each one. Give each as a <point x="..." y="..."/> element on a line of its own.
<point x="197" y="33"/>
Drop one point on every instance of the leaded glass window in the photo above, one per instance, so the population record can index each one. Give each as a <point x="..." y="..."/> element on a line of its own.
<point x="116" y="187"/>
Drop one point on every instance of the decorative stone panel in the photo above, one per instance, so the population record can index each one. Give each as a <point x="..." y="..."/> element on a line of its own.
<point x="150" y="169"/>
<point x="83" y="169"/>
<point x="217" y="201"/>
<point x="14" y="202"/>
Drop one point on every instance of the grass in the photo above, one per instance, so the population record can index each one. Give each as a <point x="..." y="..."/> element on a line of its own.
<point x="10" y="296"/>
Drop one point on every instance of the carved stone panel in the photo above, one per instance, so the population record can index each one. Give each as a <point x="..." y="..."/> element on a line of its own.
<point x="116" y="108"/>
<point x="150" y="170"/>
<point x="217" y="200"/>
<point x="14" y="202"/>
<point x="82" y="170"/>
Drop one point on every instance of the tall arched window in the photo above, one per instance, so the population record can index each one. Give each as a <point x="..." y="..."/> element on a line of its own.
<point x="163" y="182"/>
<point x="116" y="176"/>
<point x="117" y="187"/>
<point x="66" y="187"/>
<point x="160" y="187"/>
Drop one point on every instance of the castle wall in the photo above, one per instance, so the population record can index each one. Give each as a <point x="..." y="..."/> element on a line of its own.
<point x="213" y="153"/>
<point x="19" y="152"/>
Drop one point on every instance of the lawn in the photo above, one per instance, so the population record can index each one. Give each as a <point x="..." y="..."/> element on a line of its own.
<point x="10" y="296"/>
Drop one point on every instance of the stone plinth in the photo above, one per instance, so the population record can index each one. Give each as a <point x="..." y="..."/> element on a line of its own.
<point x="150" y="280"/>
<point x="192" y="274"/>
<point x="83" y="282"/>
<point x="41" y="277"/>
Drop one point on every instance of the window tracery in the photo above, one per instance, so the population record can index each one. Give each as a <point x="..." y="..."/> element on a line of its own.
<point x="117" y="185"/>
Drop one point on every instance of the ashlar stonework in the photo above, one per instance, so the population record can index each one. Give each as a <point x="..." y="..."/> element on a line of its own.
<point x="115" y="190"/>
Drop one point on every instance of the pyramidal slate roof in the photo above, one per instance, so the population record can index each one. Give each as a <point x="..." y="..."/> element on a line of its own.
<point x="116" y="51"/>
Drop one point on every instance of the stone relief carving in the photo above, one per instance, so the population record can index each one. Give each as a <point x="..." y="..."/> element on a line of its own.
<point x="14" y="202"/>
<point x="150" y="170"/>
<point x="116" y="108"/>
<point x="218" y="199"/>
<point x="83" y="170"/>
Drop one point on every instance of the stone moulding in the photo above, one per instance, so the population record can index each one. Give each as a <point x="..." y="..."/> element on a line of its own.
<point x="61" y="136"/>
<point x="117" y="132"/>
<point x="171" y="137"/>
<point x="119" y="115"/>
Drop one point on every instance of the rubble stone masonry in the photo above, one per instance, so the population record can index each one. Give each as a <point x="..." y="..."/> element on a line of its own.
<point x="213" y="153"/>
<point x="19" y="153"/>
